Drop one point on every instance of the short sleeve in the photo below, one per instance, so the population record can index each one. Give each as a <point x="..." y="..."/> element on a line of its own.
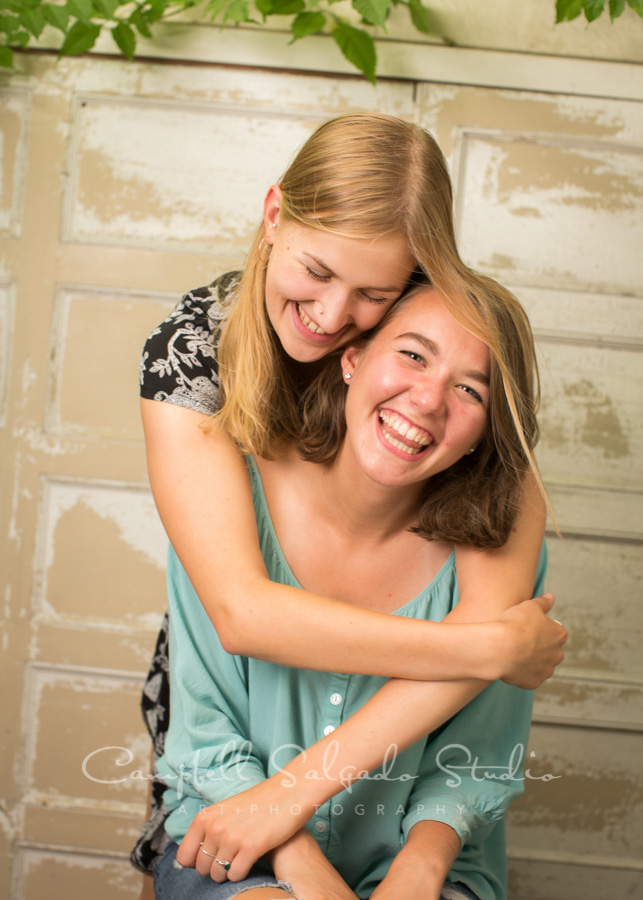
<point x="179" y="360"/>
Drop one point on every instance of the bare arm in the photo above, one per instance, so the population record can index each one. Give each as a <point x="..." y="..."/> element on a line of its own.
<point x="202" y="491"/>
<point x="400" y="713"/>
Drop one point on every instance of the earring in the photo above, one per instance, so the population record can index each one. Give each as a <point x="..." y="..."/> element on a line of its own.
<point x="274" y="224"/>
<point x="347" y="376"/>
<point x="473" y="450"/>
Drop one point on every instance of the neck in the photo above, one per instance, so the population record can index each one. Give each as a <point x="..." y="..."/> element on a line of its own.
<point x="364" y="505"/>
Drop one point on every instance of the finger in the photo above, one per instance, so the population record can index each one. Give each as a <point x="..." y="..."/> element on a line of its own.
<point x="220" y="867"/>
<point x="188" y="852"/>
<point x="545" y="601"/>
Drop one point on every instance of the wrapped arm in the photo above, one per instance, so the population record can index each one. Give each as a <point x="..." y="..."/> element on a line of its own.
<point x="315" y="632"/>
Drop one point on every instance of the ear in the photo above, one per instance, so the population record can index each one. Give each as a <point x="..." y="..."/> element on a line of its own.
<point x="350" y="359"/>
<point x="271" y="207"/>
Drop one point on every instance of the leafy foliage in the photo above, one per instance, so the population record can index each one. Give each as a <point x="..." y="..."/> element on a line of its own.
<point x="80" y="22"/>
<point x="566" y="10"/>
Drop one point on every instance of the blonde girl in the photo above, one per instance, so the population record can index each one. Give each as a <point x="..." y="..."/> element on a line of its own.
<point x="364" y="209"/>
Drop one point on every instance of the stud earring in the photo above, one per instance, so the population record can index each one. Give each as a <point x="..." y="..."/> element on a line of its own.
<point x="274" y="224"/>
<point x="473" y="450"/>
<point x="347" y="376"/>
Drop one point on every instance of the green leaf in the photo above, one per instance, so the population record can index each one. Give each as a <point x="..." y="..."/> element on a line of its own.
<point x="593" y="9"/>
<point x="566" y="10"/>
<point x="12" y="5"/>
<point x="138" y="20"/>
<point x="616" y="8"/>
<point x="125" y="39"/>
<point x="83" y="10"/>
<point x="358" y="47"/>
<point x="80" y="38"/>
<point x="420" y="17"/>
<point x="6" y="57"/>
<point x="636" y="5"/>
<point x="374" y="12"/>
<point x="56" y="16"/>
<point x="20" y="38"/>
<point x="214" y="7"/>
<point x="156" y="10"/>
<point x="307" y="23"/>
<point x="9" y="24"/>
<point x="106" y="8"/>
<point x="33" y="20"/>
<point x="280" y="7"/>
<point x="238" y="11"/>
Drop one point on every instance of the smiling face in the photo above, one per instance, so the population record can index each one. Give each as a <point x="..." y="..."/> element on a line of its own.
<point x="324" y="290"/>
<point x="419" y="394"/>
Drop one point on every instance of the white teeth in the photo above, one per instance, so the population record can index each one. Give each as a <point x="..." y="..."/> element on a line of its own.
<point x="310" y="325"/>
<point x="412" y="451"/>
<point x="412" y="432"/>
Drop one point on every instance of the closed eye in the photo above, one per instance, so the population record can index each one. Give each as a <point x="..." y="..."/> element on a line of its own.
<point x="375" y="299"/>
<point x="316" y="275"/>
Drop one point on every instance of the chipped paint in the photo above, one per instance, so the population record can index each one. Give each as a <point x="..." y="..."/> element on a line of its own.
<point x="141" y="180"/>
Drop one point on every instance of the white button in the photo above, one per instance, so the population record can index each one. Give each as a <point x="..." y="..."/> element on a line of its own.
<point x="320" y="827"/>
<point x="335" y="699"/>
<point x="328" y="729"/>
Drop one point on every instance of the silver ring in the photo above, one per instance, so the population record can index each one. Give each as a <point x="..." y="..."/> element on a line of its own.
<point x="211" y="855"/>
<point x="223" y="862"/>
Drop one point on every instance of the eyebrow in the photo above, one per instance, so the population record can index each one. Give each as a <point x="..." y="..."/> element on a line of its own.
<point x="384" y="290"/>
<point x="434" y="350"/>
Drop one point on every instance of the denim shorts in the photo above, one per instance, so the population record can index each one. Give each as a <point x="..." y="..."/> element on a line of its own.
<point x="174" y="882"/>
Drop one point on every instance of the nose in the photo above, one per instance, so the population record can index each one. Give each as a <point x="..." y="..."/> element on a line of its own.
<point x="428" y="396"/>
<point x="333" y="310"/>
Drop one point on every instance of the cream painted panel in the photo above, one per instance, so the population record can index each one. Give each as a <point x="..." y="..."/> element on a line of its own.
<point x="14" y="117"/>
<point x="591" y="423"/>
<point x="86" y="828"/>
<point x="6" y="337"/>
<point x="96" y="344"/>
<point x="174" y="175"/>
<point x="531" y="879"/>
<point x="582" y="511"/>
<point x="104" y="740"/>
<point x="592" y="809"/>
<point x="101" y="555"/>
<point x="62" y="875"/>
<point x="599" y="583"/>
<point x="523" y="184"/>
<point x="580" y="315"/>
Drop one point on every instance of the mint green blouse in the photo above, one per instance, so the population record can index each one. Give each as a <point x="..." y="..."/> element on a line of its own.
<point x="235" y="720"/>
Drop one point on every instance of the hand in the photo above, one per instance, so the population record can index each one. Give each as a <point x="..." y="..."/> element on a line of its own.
<point x="240" y="830"/>
<point x="532" y="645"/>
<point x="303" y="865"/>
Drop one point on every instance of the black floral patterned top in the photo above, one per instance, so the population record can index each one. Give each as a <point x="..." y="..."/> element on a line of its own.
<point x="178" y="365"/>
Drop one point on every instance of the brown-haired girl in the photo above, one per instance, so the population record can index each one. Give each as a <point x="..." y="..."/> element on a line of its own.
<point x="419" y="406"/>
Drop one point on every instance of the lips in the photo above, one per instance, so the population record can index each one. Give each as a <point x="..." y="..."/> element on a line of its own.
<point x="402" y="434"/>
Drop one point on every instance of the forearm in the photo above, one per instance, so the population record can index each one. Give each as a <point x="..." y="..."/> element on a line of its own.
<point x="211" y="524"/>
<point x="422" y="865"/>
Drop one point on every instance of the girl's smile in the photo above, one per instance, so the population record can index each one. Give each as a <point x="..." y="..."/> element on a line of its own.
<point x="418" y="396"/>
<point x="323" y="289"/>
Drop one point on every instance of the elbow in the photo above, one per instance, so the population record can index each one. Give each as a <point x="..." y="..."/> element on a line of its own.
<point x="234" y="635"/>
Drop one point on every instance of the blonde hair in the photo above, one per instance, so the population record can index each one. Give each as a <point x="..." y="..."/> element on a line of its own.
<point x="362" y="175"/>
<point x="476" y="500"/>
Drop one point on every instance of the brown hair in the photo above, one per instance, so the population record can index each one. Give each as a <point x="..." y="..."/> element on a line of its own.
<point x="476" y="500"/>
<point x="361" y="175"/>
